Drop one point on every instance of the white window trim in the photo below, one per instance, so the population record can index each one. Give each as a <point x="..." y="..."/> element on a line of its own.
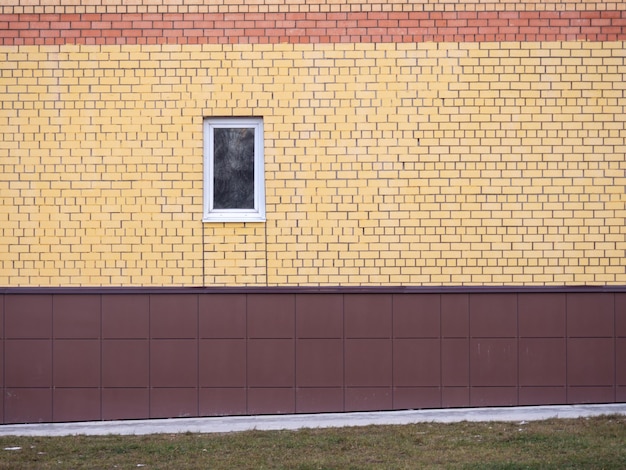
<point x="234" y="215"/>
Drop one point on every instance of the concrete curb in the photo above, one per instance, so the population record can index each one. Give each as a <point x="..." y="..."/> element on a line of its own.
<point x="300" y="421"/>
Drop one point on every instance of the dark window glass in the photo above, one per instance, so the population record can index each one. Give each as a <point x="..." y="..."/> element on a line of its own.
<point x="233" y="172"/>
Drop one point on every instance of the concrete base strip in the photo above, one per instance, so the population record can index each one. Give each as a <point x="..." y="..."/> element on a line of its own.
<point x="300" y="421"/>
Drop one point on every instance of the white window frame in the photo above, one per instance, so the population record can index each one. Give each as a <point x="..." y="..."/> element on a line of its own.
<point x="257" y="214"/>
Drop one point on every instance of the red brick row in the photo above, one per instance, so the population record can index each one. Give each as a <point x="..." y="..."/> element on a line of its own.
<point x="192" y="28"/>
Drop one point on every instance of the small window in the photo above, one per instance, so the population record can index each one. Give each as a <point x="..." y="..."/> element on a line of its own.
<point x="234" y="186"/>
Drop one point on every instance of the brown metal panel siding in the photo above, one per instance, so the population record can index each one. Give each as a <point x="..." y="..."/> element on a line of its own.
<point x="2" y="357"/>
<point x="620" y="347"/>
<point x="96" y="354"/>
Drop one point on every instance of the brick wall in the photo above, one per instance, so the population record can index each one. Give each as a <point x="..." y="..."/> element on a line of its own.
<point x="405" y="144"/>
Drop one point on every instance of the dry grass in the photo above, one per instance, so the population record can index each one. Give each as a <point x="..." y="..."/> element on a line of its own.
<point x="589" y="443"/>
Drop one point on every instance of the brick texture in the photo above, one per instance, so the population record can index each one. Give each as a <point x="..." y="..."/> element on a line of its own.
<point x="385" y="164"/>
<point x="301" y="27"/>
<point x="457" y="157"/>
<point x="299" y="6"/>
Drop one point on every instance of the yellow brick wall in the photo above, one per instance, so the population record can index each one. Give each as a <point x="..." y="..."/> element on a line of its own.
<point x="386" y="164"/>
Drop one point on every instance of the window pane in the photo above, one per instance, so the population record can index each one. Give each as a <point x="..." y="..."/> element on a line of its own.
<point x="233" y="173"/>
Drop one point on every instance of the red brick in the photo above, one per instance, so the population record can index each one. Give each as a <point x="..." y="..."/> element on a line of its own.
<point x="90" y="33"/>
<point x="336" y="16"/>
<point x="612" y="14"/>
<point x="172" y="33"/>
<point x="590" y="14"/>
<point x="296" y="16"/>
<point x="223" y="24"/>
<point x="296" y="26"/>
<point x="111" y="33"/>
<point x="70" y="33"/>
<point x="468" y="31"/>
<point x="233" y="32"/>
<point x="356" y="31"/>
<point x="601" y="22"/>
<point x="488" y="30"/>
<point x="18" y="25"/>
<point x="265" y="24"/>
<point x="204" y="24"/>
<point x="49" y="33"/>
<point x="91" y="17"/>
<point x="194" y="16"/>
<point x="39" y="25"/>
<point x="326" y="24"/>
<point x="152" y="33"/>
<point x="529" y="15"/>
<point x="488" y="15"/>
<point x="253" y="32"/>
<point x="121" y="24"/>
<point x="152" y="16"/>
<point x="164" y="25"/>
<point x="190" y="33"/>
<point x="141" y="24"/>
<point x="131" y="32"/>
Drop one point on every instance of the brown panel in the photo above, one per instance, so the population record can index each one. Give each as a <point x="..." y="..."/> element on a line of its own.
<point x="590" y="361"/>
<point x="222" y="315"/>
<point x="126" y="316"/>
<point x="271" y="363"/>
<point x="455" y="315"/>
<point x="319" y="363"/>
<point x="125" y="363"/>
<point x="542" y="315"/>
<point x="455" y="362"/>
<point x="493" y="362"/>
<point x="368" y="316"/>
<point x="416" y="315"/>
<point x="173" y="363"/>
<point x="173" y="316"/>
<point x="590" y="395"/>
<point x="271" y="401"/>
<point x="76" y="363"/>
<point x="286" y="375"/>
<point x="493" y="315"/>
<point x="542" y="361"/>
<point x="1" y="316"/>
<point x="493" y="396"/>
<point x="2" y="356"/>
<point x="590" y="315"/>
<point x="368" y="363"/>
<point x="76" y="404"/>
<point x="416" y="362"/>
<point x="223" y="363"/>
<point x="620" y="315"/>
<point x="529" y="396"/>
<point x="28" y="363"/>
<point x="369" y="399"/>
<point x="125" y="403"/>
<point x="455" y="397"/>
<point x="222" y="401"/>
<point x="76" y="316"/>
<point x="28" y="316"/>
<point x="319" y="400"/>
<point x="27" y="405"/>
<point x="173" y="402"/>
<point x="620" y="361"/>
<point x="319" y="316"/>
<point x="271" y="316"/>
<point x="414" y="398"/>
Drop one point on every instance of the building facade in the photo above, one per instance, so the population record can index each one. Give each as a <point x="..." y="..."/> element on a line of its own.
<point x="436" y="216"/>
